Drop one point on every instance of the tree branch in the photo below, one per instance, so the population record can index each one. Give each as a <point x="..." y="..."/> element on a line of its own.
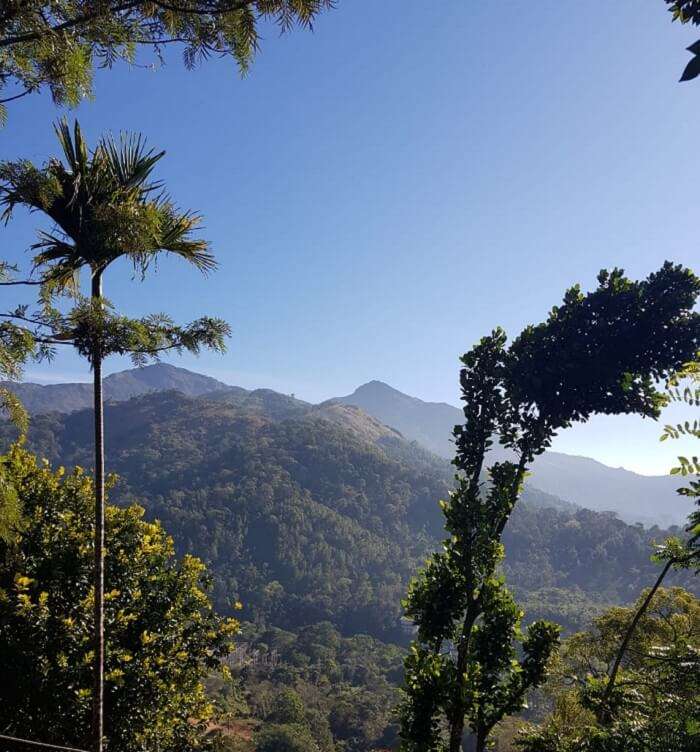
<point x="628" y="636"/>
<point x="236" y="5"/>
<point x="16" y="96"/>
<point x="70" y="23"/>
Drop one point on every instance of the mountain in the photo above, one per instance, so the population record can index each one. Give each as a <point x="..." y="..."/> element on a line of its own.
<point x="309" y="513"/>
<point x="580" y="480"/>
<point x="66" y="398"/>
<point x="394" y="416"/>
<point x="424" y="422"/>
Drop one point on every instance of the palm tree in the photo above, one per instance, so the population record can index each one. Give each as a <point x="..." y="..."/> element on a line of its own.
<point x="104" y="206"/>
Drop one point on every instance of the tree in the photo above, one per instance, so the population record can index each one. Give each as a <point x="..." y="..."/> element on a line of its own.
<point x="164" y="634"/>
<point x="58" y="43"/>
<point x="288" y="708"/>
<point x="657" y="697"/>
<point x="17" y="346"/>
<point x="600" y="352"/>
<point x="104" y="206"/>
<point x="688" y="467"/>
<point x="688" y="11"/>
<point x="285" y="738"/>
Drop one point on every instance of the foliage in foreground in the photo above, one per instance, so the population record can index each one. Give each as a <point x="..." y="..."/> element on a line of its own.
<point x="164" y="636"/>
<point x="657" y="695"/>
<point x="599" y="353"/>
<point x="684" y="388"/>
<point x="58" y="43"/>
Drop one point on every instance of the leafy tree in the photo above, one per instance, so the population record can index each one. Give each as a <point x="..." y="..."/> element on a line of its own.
<point x="104" y="206"/>
<point x="288" y="708"/>
<point x="600" y="352"/>
<point x="285" y="738"/>
<point x="58" y="43"/>
<point x="164" y="635"/>
<point x="657" y="696"/>
<point x="688" y="11"/>
<point x="17" y="346"/>
<point x="688" y="467"/>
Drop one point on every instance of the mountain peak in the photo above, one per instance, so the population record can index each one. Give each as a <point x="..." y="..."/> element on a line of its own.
<point x="159" y="377"/>
<point x="378" y="387"/>
<point x="120" y="386"/>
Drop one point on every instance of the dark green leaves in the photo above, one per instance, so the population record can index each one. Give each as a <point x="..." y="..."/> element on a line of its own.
<point x="604" y="352"/>
<point x="600" y="352"/>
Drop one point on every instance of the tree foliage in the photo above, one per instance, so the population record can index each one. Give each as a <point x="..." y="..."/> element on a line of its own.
<point x="600" y="352"/>
<point x="58" y="43"/>
<point x="104" y="205"/>
<point x="684" y="388"/>
<point x="657" y="697"/>
<point x="688" y="11"/>
<point x="164" y="635"/>
<point x="343" y="690"/>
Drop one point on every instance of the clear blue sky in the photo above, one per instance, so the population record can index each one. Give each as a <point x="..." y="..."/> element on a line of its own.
<point x="382" y="192"/>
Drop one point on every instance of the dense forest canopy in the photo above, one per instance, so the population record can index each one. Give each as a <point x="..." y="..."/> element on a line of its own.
<point x="304" y="518"/>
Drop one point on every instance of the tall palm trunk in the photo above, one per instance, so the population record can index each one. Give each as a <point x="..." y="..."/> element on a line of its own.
<point x="99" y="635"/>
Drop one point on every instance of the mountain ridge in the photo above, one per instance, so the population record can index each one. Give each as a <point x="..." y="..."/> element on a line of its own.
<point x="71" y="396"/>
<point x="305" y="515"/>
<point x="583" y="481"/>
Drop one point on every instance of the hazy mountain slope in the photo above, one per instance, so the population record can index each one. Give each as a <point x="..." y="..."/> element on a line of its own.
<point x="66" y="398"/>
<point x="591" y="484"/>
<point x="420" y="421"/>
<point x="306" y="517"/>
<point x="583" y="481"/>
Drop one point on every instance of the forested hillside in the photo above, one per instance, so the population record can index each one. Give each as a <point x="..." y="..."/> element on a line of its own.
<point x="581" y="480"/>
<point x="308" y="514"/>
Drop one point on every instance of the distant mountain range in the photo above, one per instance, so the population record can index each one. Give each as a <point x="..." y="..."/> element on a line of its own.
<point x="67" y="398"/>
<point x="579" y="480"/>
<point x="308" y="513"/>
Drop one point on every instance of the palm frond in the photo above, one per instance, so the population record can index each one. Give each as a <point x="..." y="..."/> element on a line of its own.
<point x="105" y="205"/>
<point x="130" y="162"/>
<point x="176" y="229"/>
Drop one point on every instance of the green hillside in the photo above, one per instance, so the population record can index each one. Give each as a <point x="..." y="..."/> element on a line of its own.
<point x="307" y="515"/>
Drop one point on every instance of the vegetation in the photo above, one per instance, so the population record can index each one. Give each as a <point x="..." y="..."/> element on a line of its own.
<point x="164" y="635"/>
<point x="340" y="691"/>
<point x="104" y="206"/>
<point x="657" y="696"/>
<point x="688" y="11"/>
<point x="641" y="665"/>
<point x="688" y="467"/>
<point x="463" y="668"/>
<point x="311" y="519"/>
<point x="58" y="43"/>
<point x="303" y="520"/>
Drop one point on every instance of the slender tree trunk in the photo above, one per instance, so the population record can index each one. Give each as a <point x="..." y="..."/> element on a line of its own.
<point x="99" y="634"/>
<point x="457" y="720"/>
<point x="456" y="734"/>
<point x="604" y="714"/>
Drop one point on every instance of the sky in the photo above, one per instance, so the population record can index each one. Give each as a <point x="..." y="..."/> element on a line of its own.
<point x="383" y="191"/>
